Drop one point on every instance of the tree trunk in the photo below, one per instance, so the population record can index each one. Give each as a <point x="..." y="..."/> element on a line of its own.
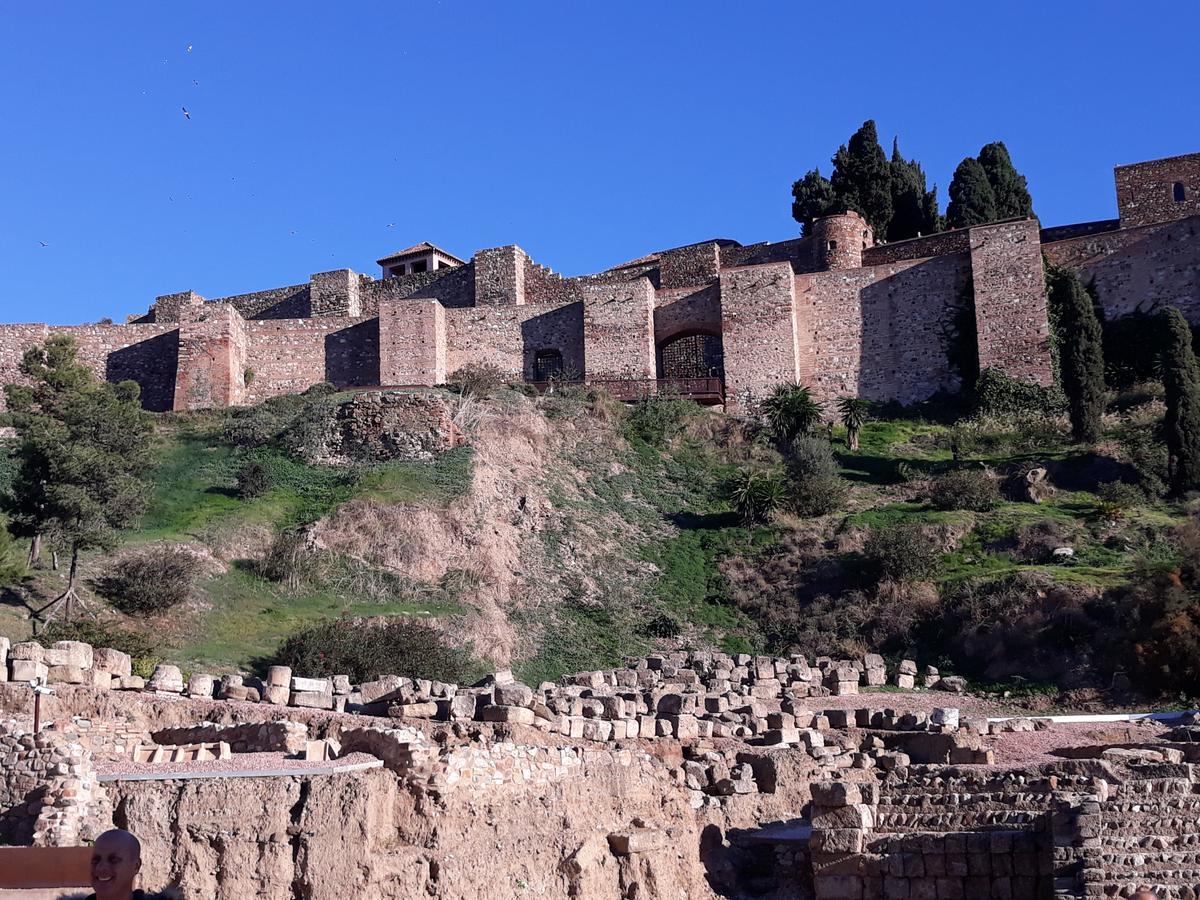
<point x="69" y="602"/>
<point x="852" y="434"/>
<point x="54" y="560"/>
<point x="35" y="550"/>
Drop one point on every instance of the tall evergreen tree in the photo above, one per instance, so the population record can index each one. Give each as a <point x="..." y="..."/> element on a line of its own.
<point x="862" y="178"/>
<point x="81" y="447"/>
<point x="972" y="200"/>
<point x="1181" y="380"/>
<point x="1080" y="353"/>
<point x="1008" y="185"/>
<point x="812" y="197"/>
<point x="914" y="206"/>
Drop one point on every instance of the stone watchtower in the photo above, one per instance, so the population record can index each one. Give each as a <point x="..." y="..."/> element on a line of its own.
<point x="839" y="241"/>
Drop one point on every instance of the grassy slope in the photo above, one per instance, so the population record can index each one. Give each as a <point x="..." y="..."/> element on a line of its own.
<point x="668" y="496"/>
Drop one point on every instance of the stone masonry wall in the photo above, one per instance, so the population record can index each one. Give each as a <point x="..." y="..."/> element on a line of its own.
<point x="509" y="336"/>
<point x="46" y="783"/>
<point x="758" y="324"/>
<point x="685" y="310"/>
<point x="618" y="330"/>
<point x="145" y="353"/>
<point x="1010" y="300"/>
<point x="880" y="332"/>
<point x="1138" y="269"/>
<point x="689" y="266"/>
<point x="412" y="342"/>
<point x="212" y="360"/>
<point x="955" y="241"/>
<point x="1146" y="191"/>
<point x="290" y="302"/>
<point x="290" y="355"/>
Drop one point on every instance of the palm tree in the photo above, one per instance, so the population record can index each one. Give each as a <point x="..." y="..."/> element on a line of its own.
<point x="755" y="495"/>
<point x="791" y="410"/>
<point x="855" y="411"/>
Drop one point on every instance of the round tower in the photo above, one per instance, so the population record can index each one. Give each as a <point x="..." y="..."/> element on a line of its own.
<point x="839" y="241"/>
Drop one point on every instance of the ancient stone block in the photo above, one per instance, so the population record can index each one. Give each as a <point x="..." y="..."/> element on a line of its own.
<point x="200" y="685"/>
<point x="66" y="674"/>
<point x="518" y="715"/>
<point x="279" y="675"/>
<point x="69" y="653"/>
<point x="110" y="660"/>
<point x="166" y="678"/>
<point x="312" y="699"/>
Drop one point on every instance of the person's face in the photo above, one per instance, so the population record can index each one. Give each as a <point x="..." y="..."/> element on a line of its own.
<point x="114" y="867"/>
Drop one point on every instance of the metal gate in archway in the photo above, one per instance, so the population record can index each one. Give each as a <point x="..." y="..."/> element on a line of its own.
<point x="692" y="356"/>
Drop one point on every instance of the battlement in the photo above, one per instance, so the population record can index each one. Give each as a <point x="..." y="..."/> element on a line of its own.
<point x="834" y="310"/>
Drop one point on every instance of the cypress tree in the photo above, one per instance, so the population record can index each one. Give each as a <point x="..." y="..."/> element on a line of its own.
<point x="862" y="177"/>
<point x="812" y="197"/>
<point x="1080" y="353"/>
<point x="1181" y="379"/>
<point x="914" y="206"/>
<point x="1009" y="185"/>
<point x="972" y="200"/>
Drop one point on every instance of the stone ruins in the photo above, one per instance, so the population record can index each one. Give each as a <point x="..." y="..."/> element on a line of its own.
<point x="716" y="320"/>
<point x="683" y="775"/>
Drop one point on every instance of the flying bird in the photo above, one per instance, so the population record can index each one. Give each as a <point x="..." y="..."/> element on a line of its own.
<point x="391" y="225"/>
<point x="186" y="114"/>
<point x="43" y="243"/>
<point x="189" y="49"/>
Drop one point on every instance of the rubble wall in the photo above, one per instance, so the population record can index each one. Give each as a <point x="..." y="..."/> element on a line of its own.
<point x="1147" y="192"/>
<point x="618" y="330"/>
<point x="287" y="356"/>
<point x="509" y="335"/>
<point x="1137" y="269"/>
<point x="880" y="332"/>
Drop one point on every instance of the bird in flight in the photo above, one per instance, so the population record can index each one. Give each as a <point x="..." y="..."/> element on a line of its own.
<point x="391" y="225"/>
<point x="43" y="243"/>
<point x="189" y="49"/>
<point x="186" y="114"/>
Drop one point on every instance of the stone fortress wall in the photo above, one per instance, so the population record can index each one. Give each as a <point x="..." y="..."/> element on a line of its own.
<point x="834" y="310"/>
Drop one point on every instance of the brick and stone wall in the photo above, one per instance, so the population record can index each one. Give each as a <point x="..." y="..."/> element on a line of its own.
<point x="412" y="342"/>
<point x="1138" y="269"/>
<point x="509" y="336"/>
<point x="839" y="242"/>
<point x="880" y="332"/>
<point x="46" y="784"/>
<point x="689" y="266"/>
<point x="686" y="310"/>
<point x="1010" y="300"/>
<point x="618" y="330"/>
<point x="212" y="360"/>
<point x="290" y="355"/>
<point x="500" y="276"/>
<point x="291" y="302"/>
<point x="1149" y="191"/>
<point x="955" y="241"/>
<point x="758" y="324"/>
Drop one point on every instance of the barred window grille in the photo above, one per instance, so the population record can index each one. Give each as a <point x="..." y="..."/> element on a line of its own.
<point x="547" y="365"/>
<point x="692" y="356"/>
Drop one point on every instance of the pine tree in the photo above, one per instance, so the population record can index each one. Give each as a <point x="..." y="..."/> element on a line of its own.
<point x="812" y="197"/>
<point x="1008" y="185"/>
<point x="862" y="178"/>
<point x="972" y="201"/>
<point x="1181" y="379"/>
<point x="81" y="447"/>
<point x="1080" y="353"/>
<point x="914" y="206"/>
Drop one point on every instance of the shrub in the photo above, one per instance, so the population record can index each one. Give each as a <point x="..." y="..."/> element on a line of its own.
<point x="366" y="649"/>
<point x="1037" y="541"/>
<point x="657" y="418"/>
<point x="1147" y="453"/>
<point x="756" y="494"/>
<point x="151" y="580"/>
<point x="791" y="410"/>
<point x="811" y="456"/>
<point x="253" y="480"/>
<point x="663" y="625"/>
<point x="901" y="553"/>
<point x="969" y="489"/>
<point x="1000" y="394"/>
<point x="258" y="426"/>
<point x="478" y="380"/>
<point x="293" y="560"/>
<point x="1116" y="498"/>
<point x="818" y="495"/>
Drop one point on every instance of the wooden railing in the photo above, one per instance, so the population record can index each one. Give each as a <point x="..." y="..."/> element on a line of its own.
<point x="702" y="390"/>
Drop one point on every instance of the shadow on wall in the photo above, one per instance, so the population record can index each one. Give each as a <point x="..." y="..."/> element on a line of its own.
<point x="559" y="329"/>
<point x="152" y="364"/>
<point x="352" y="355"/>
<point x="906" y="321"/>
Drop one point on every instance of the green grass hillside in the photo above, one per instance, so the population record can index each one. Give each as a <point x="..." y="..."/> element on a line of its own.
<point x="623" y="537"/>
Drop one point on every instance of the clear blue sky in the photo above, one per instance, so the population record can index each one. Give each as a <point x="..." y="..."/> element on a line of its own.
<point x="588" y="133"/>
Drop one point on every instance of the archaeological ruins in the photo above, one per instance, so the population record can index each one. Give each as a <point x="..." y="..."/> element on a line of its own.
<point x="717" y="320"/>
<point x="684" y="775"/>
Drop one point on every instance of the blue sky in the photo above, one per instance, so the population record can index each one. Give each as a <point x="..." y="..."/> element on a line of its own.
<point x="588" y="133"/>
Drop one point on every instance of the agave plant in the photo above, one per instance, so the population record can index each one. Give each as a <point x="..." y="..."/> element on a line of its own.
<point x="791" y="410"/>
<point x="755" y="494"/>
<point x="854" y="412"/>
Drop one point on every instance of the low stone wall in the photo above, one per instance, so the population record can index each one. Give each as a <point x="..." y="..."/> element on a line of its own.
<point x="47" y="784"/>
<point x="280" y="736"/>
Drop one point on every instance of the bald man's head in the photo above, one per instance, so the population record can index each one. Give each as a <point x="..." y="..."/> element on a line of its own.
<point x="116" y="859"/>
<point x="1145" y="895"/>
